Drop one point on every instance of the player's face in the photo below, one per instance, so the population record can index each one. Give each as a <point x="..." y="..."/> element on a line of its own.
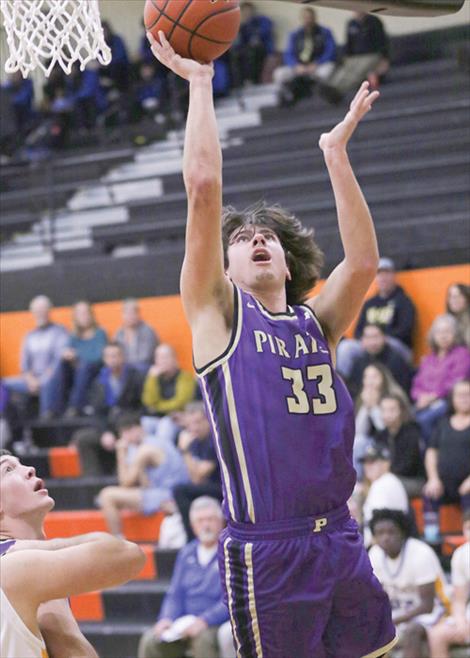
<point x="461" y="398"/>
<point x="22" y="493"/>
<point x="389" y="537"/>
<point x="256" y="259"/>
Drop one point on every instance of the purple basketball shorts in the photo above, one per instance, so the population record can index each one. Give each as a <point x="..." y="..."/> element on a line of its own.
<point x="303" y="588"/>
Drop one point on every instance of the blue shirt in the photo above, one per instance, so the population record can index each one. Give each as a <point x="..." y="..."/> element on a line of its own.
<point x="89" y="350"/>
<point x="195" y="589"/>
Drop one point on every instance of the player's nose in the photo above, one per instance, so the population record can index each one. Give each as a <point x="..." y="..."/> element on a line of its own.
<point x="30" y="472"/>
<point x="259" y="238"/>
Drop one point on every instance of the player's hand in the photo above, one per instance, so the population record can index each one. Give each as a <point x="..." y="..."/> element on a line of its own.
<point x="185" y="68"/>
<point x="341" y="134"/>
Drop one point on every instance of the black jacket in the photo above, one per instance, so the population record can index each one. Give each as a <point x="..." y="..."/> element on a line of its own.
<point x="395" y="313"/>
<point x="405" y="450"/>
<point x="388" y="357"/>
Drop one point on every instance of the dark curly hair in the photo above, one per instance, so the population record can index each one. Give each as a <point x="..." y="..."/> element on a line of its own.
<point x="401" y="520"/>
<point x="303" y="256"/>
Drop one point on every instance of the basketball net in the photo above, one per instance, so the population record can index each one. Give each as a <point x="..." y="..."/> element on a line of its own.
<point x="43" y="33"/>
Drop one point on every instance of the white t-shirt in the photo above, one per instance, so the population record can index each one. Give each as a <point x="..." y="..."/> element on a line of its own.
<point x="460" y="569"/>
<point x="16" y="640"/>
<point x="386" y="492"/>
<point x="416" y="565"/>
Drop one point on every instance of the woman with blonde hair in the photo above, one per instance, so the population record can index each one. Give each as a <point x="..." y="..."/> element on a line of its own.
<point x="458" y="305"/>
<point x="447" y="363"/>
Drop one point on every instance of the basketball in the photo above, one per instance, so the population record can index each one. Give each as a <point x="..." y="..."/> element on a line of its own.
<point x="199" y="29"/>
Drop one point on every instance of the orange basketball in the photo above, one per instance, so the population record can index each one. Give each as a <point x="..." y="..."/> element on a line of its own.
<point x="199" y="29"/>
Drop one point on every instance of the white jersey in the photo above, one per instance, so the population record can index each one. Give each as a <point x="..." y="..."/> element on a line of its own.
<point x="16" y="640"/>
<point x="460" y="569"/>
<point x="416" y="565"/>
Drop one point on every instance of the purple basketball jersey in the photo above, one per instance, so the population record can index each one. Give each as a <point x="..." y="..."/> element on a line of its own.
<point x="283" y="420"/>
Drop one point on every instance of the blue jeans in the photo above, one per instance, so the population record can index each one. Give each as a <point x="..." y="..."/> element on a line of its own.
<point x="49" y="399"/>
<point x="78" y="379"/>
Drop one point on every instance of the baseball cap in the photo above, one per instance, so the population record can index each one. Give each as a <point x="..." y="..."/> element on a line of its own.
<point x="386" y="264"/>
<point x="374" y="452"/>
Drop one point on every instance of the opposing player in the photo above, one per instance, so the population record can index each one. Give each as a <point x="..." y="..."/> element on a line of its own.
<point x="37" y="574"/>
<point x="298" y="580"/>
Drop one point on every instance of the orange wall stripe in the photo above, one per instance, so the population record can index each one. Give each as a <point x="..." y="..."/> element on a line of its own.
<point x="136" y="527"/>
<point x="427" y="288"/>
<point x="142" y="528"/>
<point x="64" y="462"/>
<point x="87" y="607"/>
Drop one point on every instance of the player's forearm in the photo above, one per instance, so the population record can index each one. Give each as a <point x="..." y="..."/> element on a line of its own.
<point x="56" y="544"/>
<point x="355" y="222"/>
<point x="202" y="161"/>
<point x="60" y="631"/>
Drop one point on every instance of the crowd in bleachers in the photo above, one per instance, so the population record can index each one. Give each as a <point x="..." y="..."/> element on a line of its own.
<point x="130" y="90"/>
<point x="144" y="423"/>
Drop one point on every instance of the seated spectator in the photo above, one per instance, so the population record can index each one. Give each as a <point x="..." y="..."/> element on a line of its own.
<point x="377" y="382"/>
<point x="458" y="305"/>
<point x="253" y="45"/>
<point x="41" y="355"/>
<point x="138" y="340"/>
<point x="385" y="490"/>
<point x="411" y="575"/>
<point x="149" y="90"/>
<point x="167" y="388"/>
<point x="447" y="458"/>
<point x="376" y="349"/>
<point x="392" y="309"/>
<point x="82" y="357"/>
<point x="456" y="628"/>
<point x="116" y="74"/>
<point x="196" y="445"/>
<point x="147" y="469"/>
<point x="403" y="439"/>
<point x="222" y="80"/>
<point x="310" y="56"/>
<point x="195" y="590"/>
<point x="117" y="389"/>
<point x="21" y="94"/>
<point x="365" y="55"/>
<point x="447" y="364"/>
<point x="83" y="99"/>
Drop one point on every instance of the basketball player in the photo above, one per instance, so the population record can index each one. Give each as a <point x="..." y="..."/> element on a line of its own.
<point x="297" y="577"/>
<point x="36" y="574"/>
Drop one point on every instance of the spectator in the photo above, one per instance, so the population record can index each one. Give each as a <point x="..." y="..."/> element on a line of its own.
<point x="392" y="309"/>
<point x="84" y="98"/>
<point x="196" y="445"/>
<point x="376" y="349"/>
<point x="376" y="383"/>
<point x="366" y="55"/>
<point x="82" y="357"/>
<point x="195" y="594"/>
<point x="21" y="93"/>
<point x="138" y="340"/>
<point x="455" y="629"/>
<point x="447" y="459"/>
<point x="149" y="90"/>
<point x="402" y="437"/>
<point x="458" y="305"/>
<point x="167" y="388"/>
<point x="40" y="357"/>
<point x="118" y="388"/>
<point x="310" y="56"/>
<point x="116" y="74"/>
<point x="253" y="45"/>
<point x="386" y="490"/>
<point x="447" y="364"/>
<point x="412" y="576"/>
<point x="147" y="468"/>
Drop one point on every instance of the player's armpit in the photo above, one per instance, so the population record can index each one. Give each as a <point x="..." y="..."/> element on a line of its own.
<point x="61" y="632"/>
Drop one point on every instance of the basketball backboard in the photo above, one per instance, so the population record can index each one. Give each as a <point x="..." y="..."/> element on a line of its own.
<point x="391" y="7"/>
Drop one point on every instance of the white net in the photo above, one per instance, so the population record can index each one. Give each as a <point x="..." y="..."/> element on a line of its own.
<point x="43" y="33"/>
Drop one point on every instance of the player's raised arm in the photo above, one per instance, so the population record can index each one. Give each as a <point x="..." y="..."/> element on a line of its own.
<point x="203" y="282"/>
<point x="342" y="296"/>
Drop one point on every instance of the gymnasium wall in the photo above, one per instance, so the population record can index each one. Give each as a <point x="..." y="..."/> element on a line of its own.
<point x="427" y="288"/>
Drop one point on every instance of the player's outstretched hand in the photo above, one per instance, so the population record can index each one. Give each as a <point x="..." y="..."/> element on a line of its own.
<point x="341" y="133"/>
<point x="185" y="68"/>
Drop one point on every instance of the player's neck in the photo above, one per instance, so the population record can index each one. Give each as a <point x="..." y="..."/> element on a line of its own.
<point x="23" y="529"/>
<point x="274" y="301"/>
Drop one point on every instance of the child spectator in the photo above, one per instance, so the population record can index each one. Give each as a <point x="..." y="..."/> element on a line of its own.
<point x="412" y="576"/>
<point x="137" y="338"/>
<point x="447" y="364"/>
<point x="148" y="467"/>
<point x="117" y="389"/>
<point x="41" y="356"/>
<point x="403" y="439"/>
<point x="392" y="309"/>
<point x="310" y="56"/>
<point x="455" y="629"/>
<point x="253" y="45"/>
<point x="458" y="305"/>
<point x="447" y="458"/>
